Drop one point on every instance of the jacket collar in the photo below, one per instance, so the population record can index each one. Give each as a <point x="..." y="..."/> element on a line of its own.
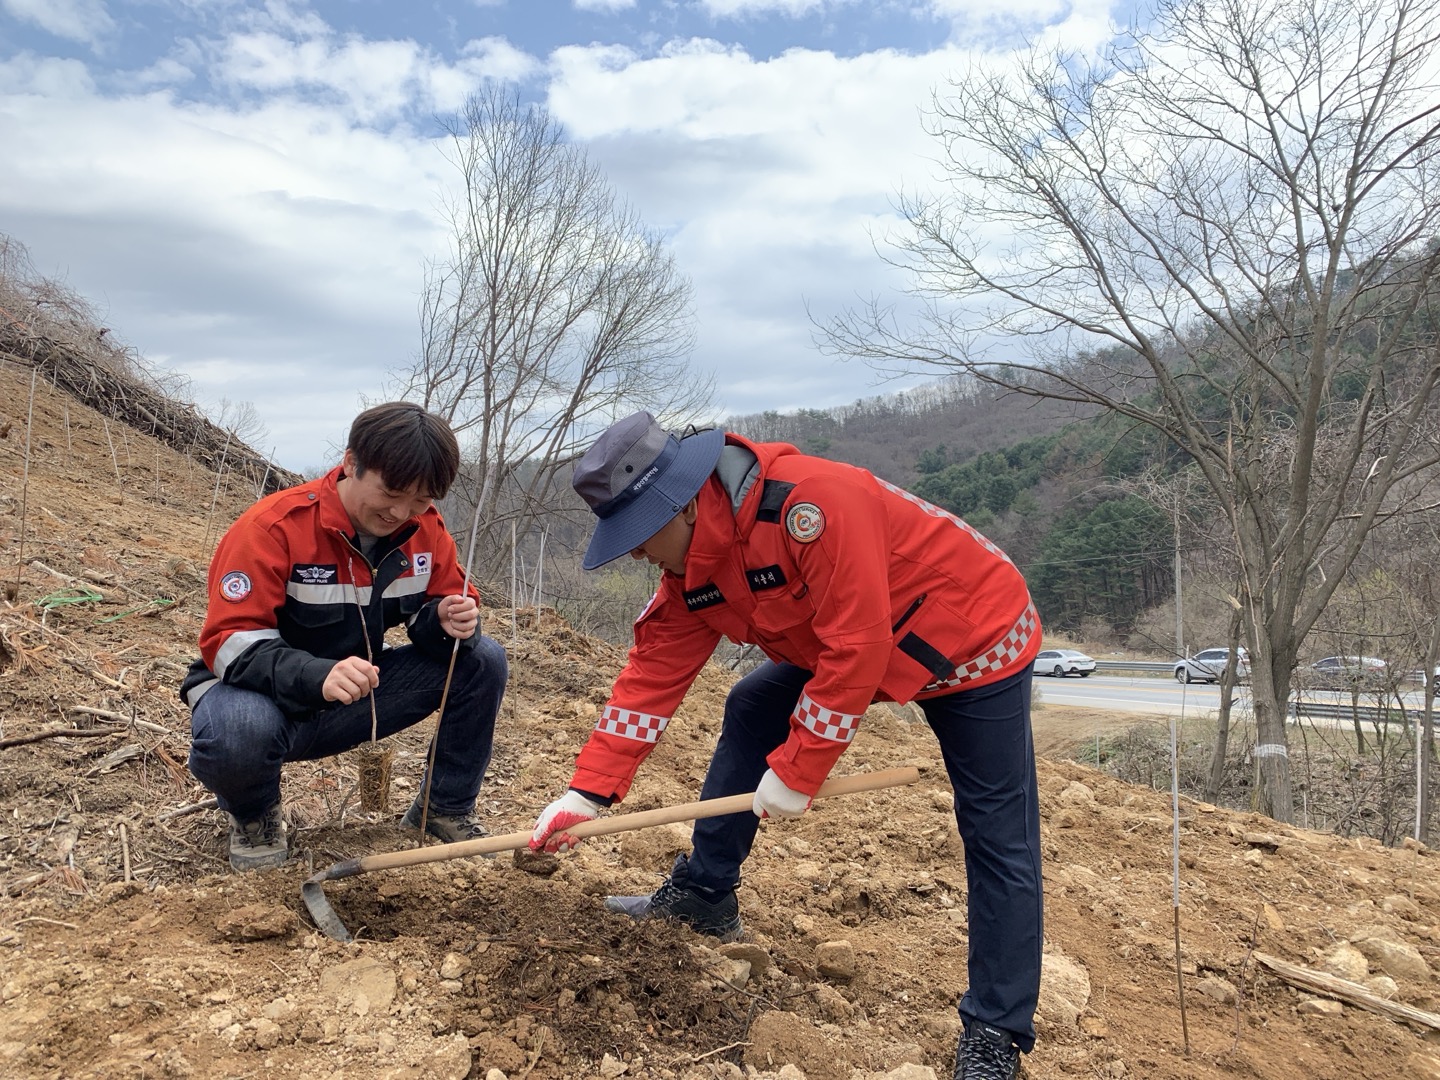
<point x="719" y="524"/>
<point x="335" y="518"/>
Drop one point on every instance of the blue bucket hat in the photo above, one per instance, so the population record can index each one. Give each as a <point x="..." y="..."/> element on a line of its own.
<point x="636" y="478"/>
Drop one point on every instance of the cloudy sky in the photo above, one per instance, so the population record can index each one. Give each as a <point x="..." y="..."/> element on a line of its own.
<point x="248" y="191"/>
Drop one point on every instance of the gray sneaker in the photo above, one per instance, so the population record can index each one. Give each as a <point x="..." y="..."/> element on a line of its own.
<point x="259" y="844"/>
<point x="450" y="828"/>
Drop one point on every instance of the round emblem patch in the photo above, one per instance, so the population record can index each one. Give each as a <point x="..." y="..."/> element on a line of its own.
<point x="235" y="586"/>
<point x="805" y="522"/>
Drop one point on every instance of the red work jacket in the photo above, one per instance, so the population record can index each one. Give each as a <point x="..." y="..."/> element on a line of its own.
<point x="288" y="583"/>
<point x="879" y="594"/>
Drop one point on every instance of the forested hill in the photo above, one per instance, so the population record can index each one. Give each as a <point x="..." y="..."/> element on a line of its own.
<point x="892" y="434"/>
<point x="1047" y="482"/>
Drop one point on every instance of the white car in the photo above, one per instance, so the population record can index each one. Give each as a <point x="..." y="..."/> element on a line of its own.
<point x="1208" y="665"/>
<point x="1062" y="662"/>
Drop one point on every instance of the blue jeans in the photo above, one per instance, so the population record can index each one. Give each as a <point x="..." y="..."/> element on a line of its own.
<point x="985" y="742"/>
<point x="239" y="739"/>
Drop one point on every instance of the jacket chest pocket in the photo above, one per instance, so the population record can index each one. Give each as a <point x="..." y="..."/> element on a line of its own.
<point x="777" y="611"/>
<point x="316" y="616"/>
<point x="926" y="647"/>
<point x="407" y="607"/>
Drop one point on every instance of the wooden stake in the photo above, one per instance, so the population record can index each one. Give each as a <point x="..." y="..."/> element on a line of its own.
<point x="25" y="481"/>
<point x="214" y="495"/>
<point x="115" y="461"/>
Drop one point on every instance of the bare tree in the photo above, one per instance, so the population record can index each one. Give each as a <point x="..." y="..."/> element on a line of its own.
<point x="554" y="310"/>
<point x="242" y="420"/>
<point x="1235" y="210"/>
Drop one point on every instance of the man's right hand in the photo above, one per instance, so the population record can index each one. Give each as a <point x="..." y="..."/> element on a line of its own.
<point x="350" y="680"/>
<point x="564" y="813"/>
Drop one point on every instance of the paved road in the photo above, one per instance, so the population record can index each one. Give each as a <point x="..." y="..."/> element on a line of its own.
<point x="1128" y="693"/>
<point x="1152" y="694"/>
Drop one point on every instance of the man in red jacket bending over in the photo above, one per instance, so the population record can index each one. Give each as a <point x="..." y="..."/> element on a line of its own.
<point x="857" y="592"/>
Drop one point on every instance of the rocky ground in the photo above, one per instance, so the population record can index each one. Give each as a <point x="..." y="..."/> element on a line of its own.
<point x="127" y="949"/>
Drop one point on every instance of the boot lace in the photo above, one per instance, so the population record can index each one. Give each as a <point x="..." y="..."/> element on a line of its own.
<point x="984" y="1059"/>
<point x="261" y="833"/>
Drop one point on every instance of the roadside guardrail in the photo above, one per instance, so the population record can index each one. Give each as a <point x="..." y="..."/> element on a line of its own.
<point x="1145" y="667"/>
<point x="1298" y="707"/>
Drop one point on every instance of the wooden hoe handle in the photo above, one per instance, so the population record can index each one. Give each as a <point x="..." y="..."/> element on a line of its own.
<point x="643" y="819"/>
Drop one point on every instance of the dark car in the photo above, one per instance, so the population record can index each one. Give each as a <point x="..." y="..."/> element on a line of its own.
<point x="1348" y="672"/>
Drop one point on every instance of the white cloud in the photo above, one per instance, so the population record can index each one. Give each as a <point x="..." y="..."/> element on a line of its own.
<point x="273" y="254"/>
<point x="166" y="71"/>
<point x="85" y="21"/>
<point x="372" y="81"/>
<point x="44" y="77"/>
<point x="1074" y="24"/>
<point x="723" y="9"/>
<point x="496" y="58"/>
<point x="840" y="125"/>
<point x="608" y="7"/>
<point x="770" y="177"/>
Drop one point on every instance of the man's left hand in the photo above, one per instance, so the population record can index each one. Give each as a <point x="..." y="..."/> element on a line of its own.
<point x="459" y="615"/>
<point x="774" y="799"/>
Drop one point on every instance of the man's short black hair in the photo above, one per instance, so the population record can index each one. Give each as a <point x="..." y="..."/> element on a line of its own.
<point x="407" y="446"/>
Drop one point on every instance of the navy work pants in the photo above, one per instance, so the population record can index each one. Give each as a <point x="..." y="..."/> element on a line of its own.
<point x="985" y="741"/>
<point x="239" y="739"/>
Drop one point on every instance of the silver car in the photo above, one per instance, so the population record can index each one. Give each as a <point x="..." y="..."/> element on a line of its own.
<point x="1062" y="662"/>
<point x="1208" y="665"/>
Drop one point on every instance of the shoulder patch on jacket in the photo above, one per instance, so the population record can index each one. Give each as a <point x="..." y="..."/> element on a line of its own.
<point x="235" y="586"/>
<point x="805" y="522"/>
<point x="772" y="500"/>
<point x="703" y="597"/>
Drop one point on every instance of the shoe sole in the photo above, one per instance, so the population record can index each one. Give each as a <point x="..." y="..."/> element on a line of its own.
<point x="244" y="865"/>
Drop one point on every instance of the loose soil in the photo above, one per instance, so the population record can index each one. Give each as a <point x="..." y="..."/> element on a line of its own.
<point x="127" y="948"/>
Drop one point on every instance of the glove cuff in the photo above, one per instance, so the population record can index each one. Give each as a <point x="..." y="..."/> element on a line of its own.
<point x="600" y="802"/>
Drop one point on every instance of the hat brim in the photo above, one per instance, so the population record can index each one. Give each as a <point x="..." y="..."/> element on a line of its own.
<point x="623" y="532"/>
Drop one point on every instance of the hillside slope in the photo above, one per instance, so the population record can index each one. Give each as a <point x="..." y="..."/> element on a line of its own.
<point x="127" y="949"/>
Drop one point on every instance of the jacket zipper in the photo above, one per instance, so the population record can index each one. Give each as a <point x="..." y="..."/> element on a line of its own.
<point x="909" y="612"/>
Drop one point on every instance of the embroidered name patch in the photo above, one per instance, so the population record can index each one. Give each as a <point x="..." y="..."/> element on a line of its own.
<point x="805" y="522"/>
<point x="235" y="586"/>
<point x="765" y="577"/>
<point x="703" y="597"/>
<point x="311" y="574"/>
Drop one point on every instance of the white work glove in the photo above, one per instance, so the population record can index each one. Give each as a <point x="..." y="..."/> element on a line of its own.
<point x="774" y="799"/>
<point x="564" y="813"/>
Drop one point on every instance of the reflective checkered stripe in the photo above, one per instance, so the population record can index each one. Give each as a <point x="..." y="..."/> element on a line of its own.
<point x="996" y="658"/>
<point x="944" y="515"/>
<point x="639" y="726"/>
<point x="827" y="723"/>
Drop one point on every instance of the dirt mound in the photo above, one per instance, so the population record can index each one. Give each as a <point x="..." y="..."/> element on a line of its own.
<point x="127" y="949"/>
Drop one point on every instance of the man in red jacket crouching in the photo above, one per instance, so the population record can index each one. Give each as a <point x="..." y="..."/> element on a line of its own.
<point x="293" y="661"/>
<point x="857" y="592"/>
